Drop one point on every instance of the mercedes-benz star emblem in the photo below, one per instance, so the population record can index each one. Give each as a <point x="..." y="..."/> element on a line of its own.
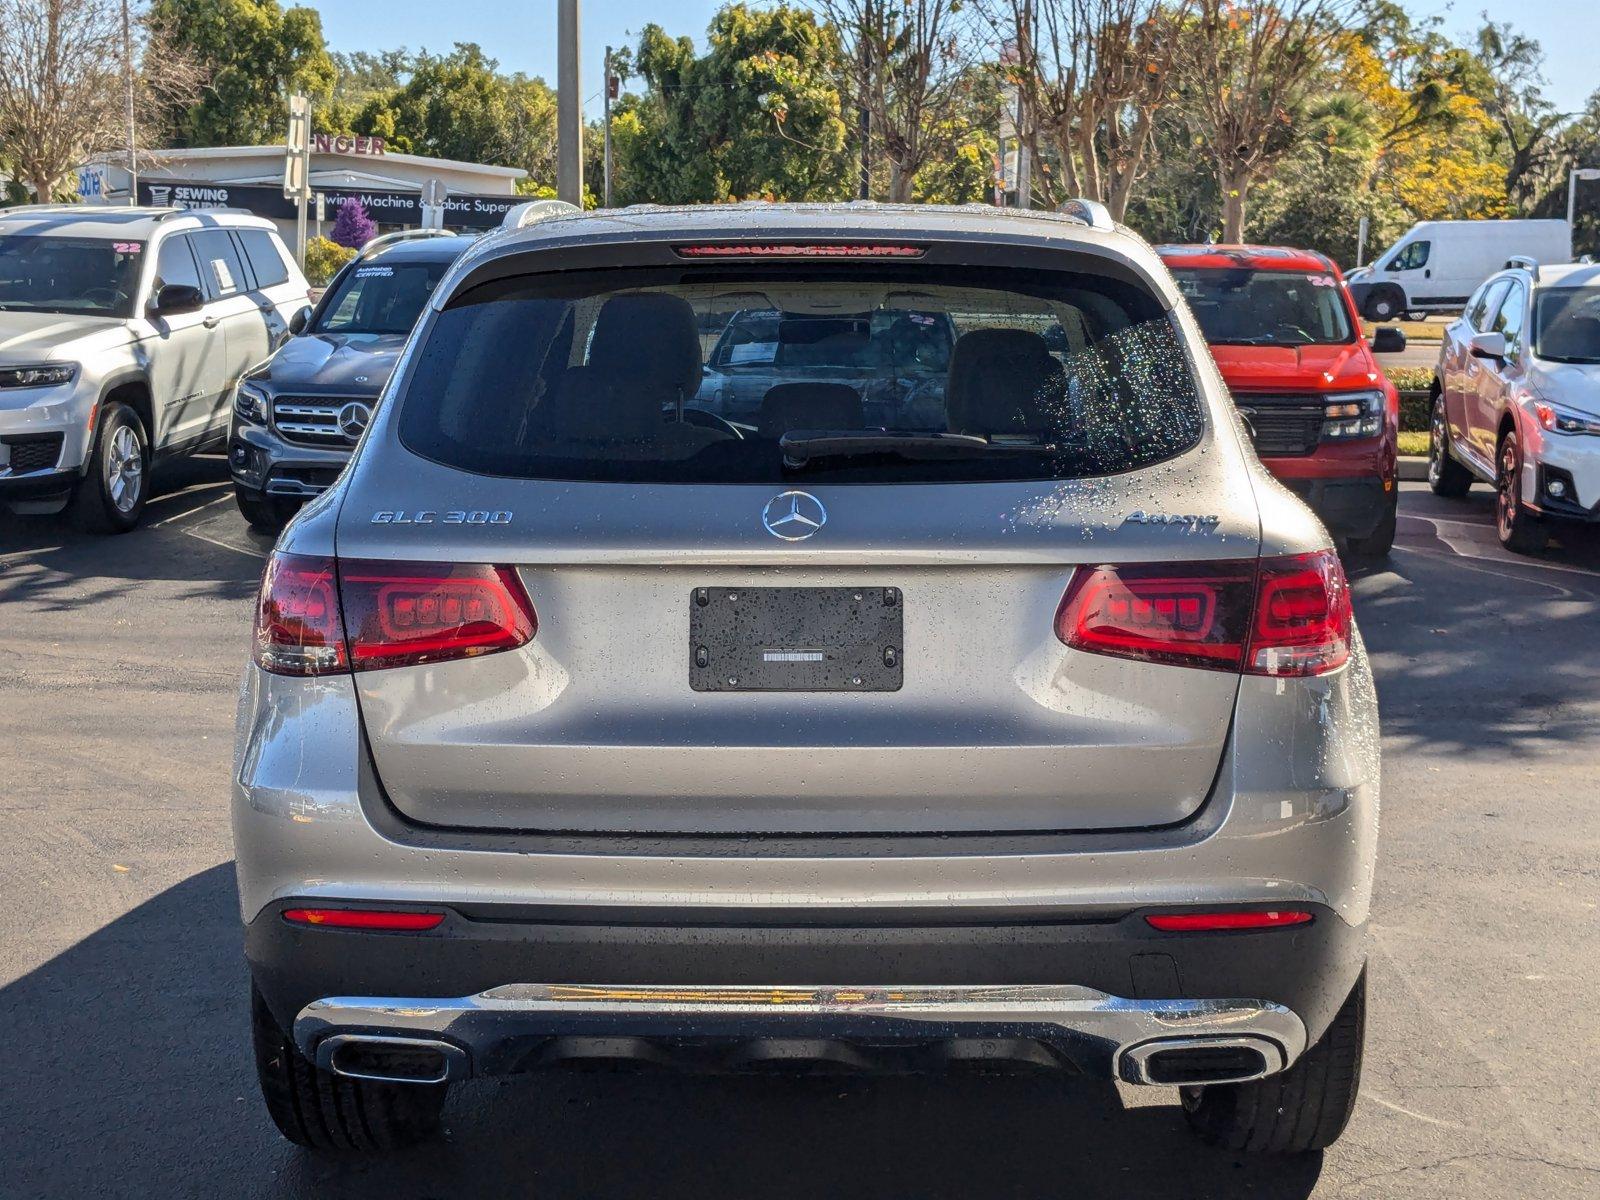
<point x="352" y="420"/>
<point x="794" y="516"/>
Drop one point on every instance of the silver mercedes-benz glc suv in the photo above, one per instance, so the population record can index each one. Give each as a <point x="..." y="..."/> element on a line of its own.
<point x="1020" y="723"/>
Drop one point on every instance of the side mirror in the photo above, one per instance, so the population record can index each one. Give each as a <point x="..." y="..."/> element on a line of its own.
<point x="1388" y="340"/>
<point x="177" y="298"/>
<point x="301" y="319"/>
<point x="1488" y="345"/>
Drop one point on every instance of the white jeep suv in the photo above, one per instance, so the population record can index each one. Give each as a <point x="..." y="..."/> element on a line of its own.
<point x="1516" y="399"/>
<point x="122" y="333"/>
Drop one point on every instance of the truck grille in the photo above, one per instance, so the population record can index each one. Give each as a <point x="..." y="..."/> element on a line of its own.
<point x="314" y="420"/>
<point x="34" y="451"/>
<point x="1283" y="426"/>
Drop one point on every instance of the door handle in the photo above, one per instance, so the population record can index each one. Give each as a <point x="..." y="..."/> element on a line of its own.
<point x="211" y="322"/>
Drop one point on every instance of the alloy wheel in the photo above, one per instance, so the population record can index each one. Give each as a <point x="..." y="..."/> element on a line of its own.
<point x="124" y="469"/>
<point x="1436" y="443"/>
<point x="1505" y="507"/>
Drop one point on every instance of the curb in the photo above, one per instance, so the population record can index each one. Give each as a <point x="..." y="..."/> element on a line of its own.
<point x="1413" y="468"/>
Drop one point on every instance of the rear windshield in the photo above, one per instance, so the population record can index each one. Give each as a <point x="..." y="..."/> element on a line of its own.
<point x="1243" y="307"/>
<point x="836" y="374"/>
<point x="1567" y="325"/>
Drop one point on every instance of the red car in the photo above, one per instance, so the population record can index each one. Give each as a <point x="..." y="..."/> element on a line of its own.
<point x="1286" y="337"/>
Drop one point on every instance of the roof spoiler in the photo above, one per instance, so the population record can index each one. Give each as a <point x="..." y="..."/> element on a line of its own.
<point x="534" y="211"/>
<point x="1091" y="212"/>
<point x="1521" y="262"/>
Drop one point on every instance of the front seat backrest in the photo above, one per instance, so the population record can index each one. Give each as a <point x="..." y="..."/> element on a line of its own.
<point x="810" y="406"/>
<point x="1000" y="382"/>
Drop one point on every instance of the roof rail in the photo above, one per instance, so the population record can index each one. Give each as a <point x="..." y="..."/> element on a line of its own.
<point x="534" y="211"/>
<point x="1091" y="212"/>
<point x="1522" y="262"/>
<point x="400" y="235"/>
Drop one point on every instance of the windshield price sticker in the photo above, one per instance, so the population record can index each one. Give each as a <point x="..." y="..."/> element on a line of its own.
<point x="127" y="247"/>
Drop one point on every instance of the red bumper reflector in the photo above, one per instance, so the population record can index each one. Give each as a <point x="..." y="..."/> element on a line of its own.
<point x="1200" y="922"/>
<point x="363" y="918"/>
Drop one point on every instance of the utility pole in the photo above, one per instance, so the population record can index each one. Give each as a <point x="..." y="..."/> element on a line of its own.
<point x="610" y="95"/>
<point x="569" y="106"/>
<point x="127" y="81"/>
<point x="1024" y="153"/>
<point x="864" y="115"/>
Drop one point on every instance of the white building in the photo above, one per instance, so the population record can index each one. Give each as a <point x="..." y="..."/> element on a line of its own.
<point x="388" y="185"/>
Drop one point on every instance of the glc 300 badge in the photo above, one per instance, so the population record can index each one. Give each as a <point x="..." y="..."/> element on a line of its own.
<point x="1190" y="521"/>
<point x="428" y="516"/>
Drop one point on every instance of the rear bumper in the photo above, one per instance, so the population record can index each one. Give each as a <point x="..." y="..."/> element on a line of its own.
<point x="1349" y="507"/>
<point x="1088" y="989"/>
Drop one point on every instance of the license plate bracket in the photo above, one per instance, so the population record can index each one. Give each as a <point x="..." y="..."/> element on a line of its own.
<point x="796" y="639"/>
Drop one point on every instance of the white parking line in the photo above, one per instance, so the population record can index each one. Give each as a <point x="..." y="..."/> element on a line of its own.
<point x="188" y="511"/>
<point x="252" y="551"/>
<point x="1471" y="561"/>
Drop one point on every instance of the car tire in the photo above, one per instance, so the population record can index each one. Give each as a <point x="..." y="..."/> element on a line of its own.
<point x="1296" y="1111"/>
<point x="323" y="1111"/>
<point x="1520" y="531"/>
<point x="264" y="513"/>
<point x="1446" y="477"/>
<point x="111" y="495"/>
<point x="1378" y="543"/>
<point x="1383" y="304"/>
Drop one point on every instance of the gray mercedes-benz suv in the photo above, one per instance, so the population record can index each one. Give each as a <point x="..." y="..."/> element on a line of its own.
<point x="588" y="725"/>
<point x="297" y="416"/>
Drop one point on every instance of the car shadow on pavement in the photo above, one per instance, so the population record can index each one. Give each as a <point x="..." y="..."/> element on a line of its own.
<point x="47" y="561"/>
<point x="128" y="1074"/>
<point x="1480" y="657"/>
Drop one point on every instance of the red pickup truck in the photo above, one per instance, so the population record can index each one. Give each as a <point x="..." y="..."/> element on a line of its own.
<point x="1286" y="337"/>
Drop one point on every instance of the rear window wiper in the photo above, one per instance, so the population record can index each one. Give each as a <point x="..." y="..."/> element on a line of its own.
<point x="800" y="446"/>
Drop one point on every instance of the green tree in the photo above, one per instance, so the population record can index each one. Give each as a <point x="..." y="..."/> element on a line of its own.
<point x="758" y="115"/>
<point x="459" y="105"/>
<point x="255" y="52"/>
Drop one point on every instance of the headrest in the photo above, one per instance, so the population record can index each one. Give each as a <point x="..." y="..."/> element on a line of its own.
<point x="648" y="334"/>
<point x="996" y="377"/>
<point x="810" y="406"/>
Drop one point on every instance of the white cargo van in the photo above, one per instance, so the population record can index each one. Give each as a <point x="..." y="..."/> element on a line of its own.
<point x="1438" y="264"/>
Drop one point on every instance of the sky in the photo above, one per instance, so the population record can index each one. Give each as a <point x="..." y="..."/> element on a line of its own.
<point x="522" y="35"/>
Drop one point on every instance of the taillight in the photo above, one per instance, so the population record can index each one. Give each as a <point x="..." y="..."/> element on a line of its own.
<point x="1302" y="618"/>
<point x="1190" y="616"/>
<point x="403" y="614"/>
<point x="316" y="616"/>
<point x="298" y="630"/>
<point x="1270" y="616"/>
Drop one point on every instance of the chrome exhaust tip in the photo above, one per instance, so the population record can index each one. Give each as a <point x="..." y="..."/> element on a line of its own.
<point x="392" y="1059"/>
<point x="1197" y="1061"/>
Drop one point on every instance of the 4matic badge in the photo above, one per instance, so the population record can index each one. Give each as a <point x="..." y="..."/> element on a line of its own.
<point x="1190" y="521"/>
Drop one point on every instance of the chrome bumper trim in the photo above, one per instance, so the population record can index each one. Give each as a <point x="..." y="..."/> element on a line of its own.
<point x="1117" y="1032"/>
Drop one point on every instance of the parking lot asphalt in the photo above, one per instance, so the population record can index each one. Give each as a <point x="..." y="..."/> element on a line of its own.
<point x="126" y="1062"/>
